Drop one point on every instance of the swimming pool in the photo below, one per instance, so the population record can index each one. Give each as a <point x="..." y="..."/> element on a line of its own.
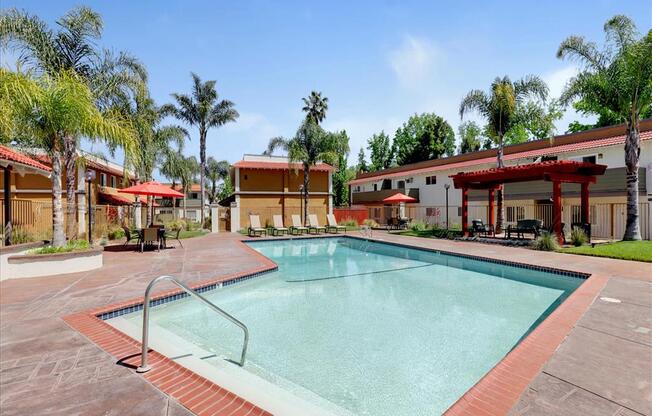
<point x="357" y="327"/>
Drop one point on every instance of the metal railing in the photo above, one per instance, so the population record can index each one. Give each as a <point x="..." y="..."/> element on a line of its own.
<point x="144" y="367"/>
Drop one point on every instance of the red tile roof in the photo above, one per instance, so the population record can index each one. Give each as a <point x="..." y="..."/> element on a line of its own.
<point x="564" y="148"/>
<point x="252" y="164"/>
<point x="11" y="155"/>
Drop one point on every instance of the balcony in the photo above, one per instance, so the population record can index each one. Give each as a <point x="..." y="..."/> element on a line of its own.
<point x="378" y="196"/>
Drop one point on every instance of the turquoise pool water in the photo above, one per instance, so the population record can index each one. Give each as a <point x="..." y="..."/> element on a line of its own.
<point x="372" y="328"/>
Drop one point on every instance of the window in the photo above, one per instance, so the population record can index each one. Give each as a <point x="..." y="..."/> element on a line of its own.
<point x="409" y="180"/>
<point x="401" y="184"/>
<point x="113" y="181"/>
<point x="194" y="195"/>
<point x="357" y="188"/>
<point x="387" y="184"/>
<point x="375" y="187"/>
<point x="590" y="159"/>
<point x="102" y="179"/>
<point x="431" y="180"/>
<point x="548" y="158"/>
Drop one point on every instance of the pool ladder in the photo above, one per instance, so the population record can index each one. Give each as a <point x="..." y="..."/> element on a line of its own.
<point x="144" y="367"/>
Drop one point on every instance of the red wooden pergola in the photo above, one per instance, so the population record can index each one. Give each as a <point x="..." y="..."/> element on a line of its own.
<point x="557" y="172"/>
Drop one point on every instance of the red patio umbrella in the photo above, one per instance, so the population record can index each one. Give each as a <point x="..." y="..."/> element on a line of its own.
<point x="398" y="198"/>
<point x="152" y="188"/>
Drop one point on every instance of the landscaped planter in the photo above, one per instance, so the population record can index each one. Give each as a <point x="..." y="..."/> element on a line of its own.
<point x="33" y="265"/>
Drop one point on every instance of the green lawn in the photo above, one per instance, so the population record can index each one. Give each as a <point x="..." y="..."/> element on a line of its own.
<point x="626" y="250"/>
<point x="191" y="234"/>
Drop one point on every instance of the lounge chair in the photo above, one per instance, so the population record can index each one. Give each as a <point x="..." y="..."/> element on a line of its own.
<point x="254" y="227"/>
<point x="313" y="224"/>
<point x="278" y="225"/>
<point x="150" y="237"/>
<point x="332" y="224"/>
<point x="297" y="226"/>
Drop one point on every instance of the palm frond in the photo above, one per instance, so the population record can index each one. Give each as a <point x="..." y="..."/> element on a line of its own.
<point x="583" y="51"/>
<point x="475" y="100"/>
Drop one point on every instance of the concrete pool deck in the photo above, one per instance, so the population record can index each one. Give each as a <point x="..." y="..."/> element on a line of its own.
<point x="604" y="365"/>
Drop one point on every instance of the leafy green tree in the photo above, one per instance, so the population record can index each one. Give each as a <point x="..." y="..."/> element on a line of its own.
<point x="617" y="80"/>
<point x="470" y="137"/>
<point x="362" y="163"/>
<point x="381" y="151"/>
<point x="225" y="189"/>
<point x="315" y="106"/>
<point x="71" y="48"/>
<point x="537" y="120"/>
<point x="605" y="117"/>
<point x="189" y="170"/>
<point x="499" y="108"/>
<point x="202" y="109"/>
<point x="215" y="171"/>
<point x="423" y="137"/>
<point x="40" y="110"/>
<point x="310" y="145"/>
<point x="343" y="174"/>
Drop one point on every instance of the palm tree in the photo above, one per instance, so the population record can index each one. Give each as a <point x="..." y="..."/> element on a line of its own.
<point x="72" y="48"/>
<point x="43" y="108"/>
<point x="214" y="172"/>
<point x="499" y="108"/>
<point x="616" y="81"/>
<point x="189" y="168"/>
<point x="154" y="140"/>
<point x="315" y="106"/>
<point x="310" y="145"/>
<point x="202" y="109"/>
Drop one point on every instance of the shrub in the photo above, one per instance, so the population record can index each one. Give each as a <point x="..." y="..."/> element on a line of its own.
<point x="177" y="224"/>
<point x="546" y="242"/>
<point x="370" y="223"/>
<point x="417" y="225"/>
<point x="208" y="223"/>
<point x="115" y="232"/>
<point x="578" y="237"/>
<point x="349" y="222"/>
<point x="74" y="245"/>
<point x="192" y="225"/>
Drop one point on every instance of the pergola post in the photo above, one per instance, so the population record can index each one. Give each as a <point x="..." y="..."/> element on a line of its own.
<point x="585" y="203"/>
<point x="556" y="210"/>
<point x="491" y="213"/>
<point x="465" y="211"/>
<point x="8" y="229"/>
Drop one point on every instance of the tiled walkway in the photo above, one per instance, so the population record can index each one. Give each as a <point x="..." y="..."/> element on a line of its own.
<point x="603" y="367"/>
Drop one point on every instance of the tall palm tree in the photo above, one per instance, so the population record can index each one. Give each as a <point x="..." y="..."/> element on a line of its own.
<point x="499" y="108"/>
<point x="315" y="106"/>
<point x="71" y="48"/>
<point x="189" y="168"/>
<point x="309" y="146"/>
<point x="618" y="81"/>
<point x="203" y="109"/>
<point x="43" y="108"/>
<point x="214" y="172"/>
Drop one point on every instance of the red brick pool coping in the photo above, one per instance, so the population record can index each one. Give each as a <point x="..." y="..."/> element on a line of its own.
<point x="494" y="394"/>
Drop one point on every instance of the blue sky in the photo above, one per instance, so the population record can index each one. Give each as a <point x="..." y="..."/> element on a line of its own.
<point x="377" y="62"/>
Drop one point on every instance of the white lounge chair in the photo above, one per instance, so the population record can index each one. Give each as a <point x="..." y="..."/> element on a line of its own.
<point x="254" y="227"/>
<point x="278" y="225"/>
<point x="313" y="224"/>
<point x="297" y="226"/>
<point x="332" y="224"/>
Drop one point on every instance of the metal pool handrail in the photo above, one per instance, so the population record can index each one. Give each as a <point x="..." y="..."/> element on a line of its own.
<point x="144" y="367"/>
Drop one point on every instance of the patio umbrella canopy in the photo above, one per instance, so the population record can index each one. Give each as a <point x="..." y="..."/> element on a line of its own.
<point x="152" y="188"/>
<point x="398" y="198"/>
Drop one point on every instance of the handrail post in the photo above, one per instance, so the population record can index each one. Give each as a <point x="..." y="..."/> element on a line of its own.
<point x="144" y="366"/>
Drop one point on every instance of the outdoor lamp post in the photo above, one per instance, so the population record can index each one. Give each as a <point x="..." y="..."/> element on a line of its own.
<point x="303" y="221"/>
<point x="447" y="187"/>
<point x="90" y="177"/>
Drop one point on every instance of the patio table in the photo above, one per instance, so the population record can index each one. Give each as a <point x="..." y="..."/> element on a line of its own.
<point x="161" y="235"/>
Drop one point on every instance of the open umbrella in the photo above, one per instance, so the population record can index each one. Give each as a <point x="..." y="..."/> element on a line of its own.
<point x="152" y="188"/>
<point x="400" y="199"/>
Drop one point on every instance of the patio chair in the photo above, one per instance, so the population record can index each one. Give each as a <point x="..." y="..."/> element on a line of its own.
<point x="150" y="237"/>
<point x="479" y="227"/>
<point x="313" y="224"/>
<point x="297" y="226"/>
<point x="525" y="226"/>
<point x="332" y="224"/>
<point x="174" y="235"/>
<point x="278" y="225"/>
<point x="129" y="237"/>
<point x="254" y="227"/>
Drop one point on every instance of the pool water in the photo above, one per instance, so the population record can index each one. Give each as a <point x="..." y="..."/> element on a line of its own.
<point x="372" y="328"/>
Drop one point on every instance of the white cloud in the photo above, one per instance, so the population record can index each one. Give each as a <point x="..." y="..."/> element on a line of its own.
<point x="557" y="80"/>
<point x="415" y="61"/>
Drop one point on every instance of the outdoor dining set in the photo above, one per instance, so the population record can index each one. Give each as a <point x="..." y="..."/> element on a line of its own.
<point x="153" y="236"/>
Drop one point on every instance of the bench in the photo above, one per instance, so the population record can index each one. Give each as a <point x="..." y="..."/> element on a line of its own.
<point x="525" y="226"/>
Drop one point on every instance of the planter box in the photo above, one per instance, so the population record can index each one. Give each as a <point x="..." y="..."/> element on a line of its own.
<point x="19" y="265"/>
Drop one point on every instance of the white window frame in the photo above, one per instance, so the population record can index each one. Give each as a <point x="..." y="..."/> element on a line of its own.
<point x="102" y="179"/>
